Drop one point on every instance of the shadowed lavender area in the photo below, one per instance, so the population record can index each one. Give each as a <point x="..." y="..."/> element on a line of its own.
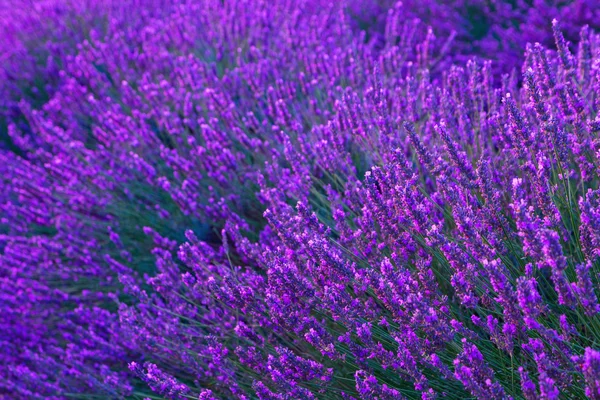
<point x="299" y="199"/>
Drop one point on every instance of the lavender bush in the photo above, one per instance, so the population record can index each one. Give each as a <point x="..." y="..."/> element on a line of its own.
<point x="264" y="199"/>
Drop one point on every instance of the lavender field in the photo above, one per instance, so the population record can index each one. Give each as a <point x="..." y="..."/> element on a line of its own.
<point x="299" y="199"/>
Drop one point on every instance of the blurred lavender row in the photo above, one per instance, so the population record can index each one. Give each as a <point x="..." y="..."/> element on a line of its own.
<point x="314" y="199"/>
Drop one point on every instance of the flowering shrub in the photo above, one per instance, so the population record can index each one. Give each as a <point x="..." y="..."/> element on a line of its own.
<point x="302" y="200"/>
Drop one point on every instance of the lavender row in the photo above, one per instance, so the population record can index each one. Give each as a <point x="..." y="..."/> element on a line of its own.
<point x="254" y="200"/>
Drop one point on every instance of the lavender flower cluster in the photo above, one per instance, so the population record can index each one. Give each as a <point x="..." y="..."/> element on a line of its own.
<point x="310" y="199"/>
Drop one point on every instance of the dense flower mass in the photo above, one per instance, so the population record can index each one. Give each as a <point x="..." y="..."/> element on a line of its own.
<point x="313" y="199"/>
